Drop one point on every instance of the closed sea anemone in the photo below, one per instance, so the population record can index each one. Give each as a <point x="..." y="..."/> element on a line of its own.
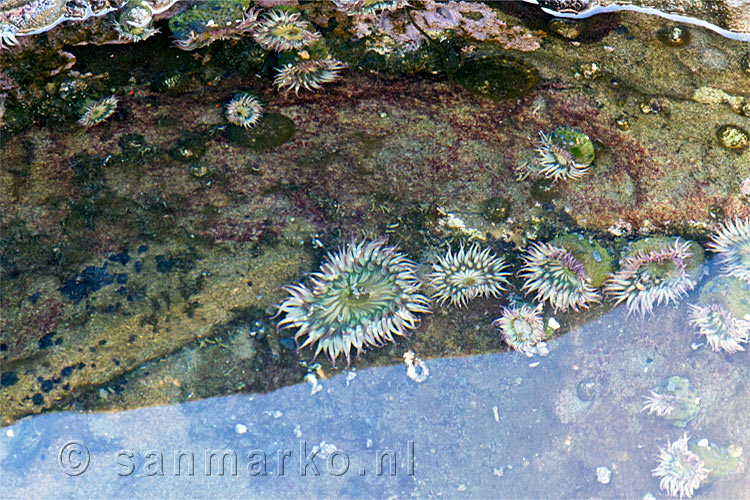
<point x="557" y="277"/>
<point x="283" y="31"/>
<point x="308" y="75"/>
<point x="564" y="153"/>
<point x="467" y="274"/>
<point x="135" y="22"/>
<point x="522" y="328"/>
<point x="244" y="110"/>
<point x="98" y="111"/>
<point x="732" y="243"/>
<point x="655" y="271"/>
<point x="681" y="470"/>
<point x="362" y="296"/>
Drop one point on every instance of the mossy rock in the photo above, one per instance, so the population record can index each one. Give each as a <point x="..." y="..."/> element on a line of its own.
<point x="594" y="257"/>
<point x="271" y="131"/>
<point x="732" y="293"/>
<point x="498" y="77"/>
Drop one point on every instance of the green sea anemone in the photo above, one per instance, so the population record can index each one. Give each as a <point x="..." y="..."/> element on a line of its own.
<point x="98" y="111"/>
<point x="680" y="469"/>
<point x="284" y="31"/>
<point x="564" y="153"/>
<point x="732" y="243"/>
<point x="467" y="274"/>
<point x="522" y="328"/>
<point x="557" y="277"/>
<point x="362" y="296"/>
<point x="244" y="110"/>
<point x="308" y="74"/>
<point x="655" y="271"/>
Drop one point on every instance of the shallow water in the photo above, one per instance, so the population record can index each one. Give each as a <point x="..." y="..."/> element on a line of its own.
<point x="480" y="426"/>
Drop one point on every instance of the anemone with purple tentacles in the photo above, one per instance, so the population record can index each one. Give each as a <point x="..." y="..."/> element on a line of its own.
<point x="656" y="271"/>
<point x="557" y="277"/>
<point x="681" y="470"/>
<point x="363" y="295"/>
<point x="732" y="243"/>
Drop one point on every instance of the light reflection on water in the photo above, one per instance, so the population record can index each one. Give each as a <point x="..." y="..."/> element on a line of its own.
<point x="496" y="425"/>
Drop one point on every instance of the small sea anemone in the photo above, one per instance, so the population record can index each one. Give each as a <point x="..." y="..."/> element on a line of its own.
<point x="557" y="277"/>
<point x="213" y="20"/>
<point x="661" y="404"/>
<point x="681" y="470"/>
<point x="244" y="110"/>
<point x="732" y="243"/>
<point x="674" y="399"/>
<point x="564" y="153"/>
<point x="522" y="328"/>
<point x="98" y="111"/>
<point x="309" y="75"/>
<point x="135" y="22"/>
<point x="655" y="271"/>
<point x="7" y="35"/>
<point x="363" y="295"/>
<point x="283" y="31"/>
<point x="722" y="329"/>
<point x="467" y="274"/>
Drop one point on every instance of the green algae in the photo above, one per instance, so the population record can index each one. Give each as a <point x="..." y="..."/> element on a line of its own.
<point x="732" y="293"/>
<point x="498" y="77"/>
<point x="595" y="258"/>
<point x="272" y="130"/>
<point x="680" y="397"/>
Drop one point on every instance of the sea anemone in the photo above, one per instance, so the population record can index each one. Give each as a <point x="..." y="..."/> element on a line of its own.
<point x="7" y="35"/>
<point x="681" y="470"/>
<point x="467" y="274"/>
<point x="135" y="22"/>
<point x="98" y="111"/>
<point x="522" y="328"/>
<point x="309" y="75"/>
<point x="655" y="271"/>
<point x="564" y="153"/>
<point x="212" y="20"/>
<point x="363" y="295"/>
<point x="557" y="277"/>
<point x="244" y="110"/>
<point x="674" y="399"/>
<point x="360" y="7"/>
<point x="732" y="243"/>
<point x="283" y="31"/>
<point x="722" y="329"/>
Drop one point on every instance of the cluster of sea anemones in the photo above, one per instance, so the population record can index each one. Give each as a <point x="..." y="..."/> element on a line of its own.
<point x="244" y="110"/>
<point x="680" y="469"/>
<point x="363" y="296"/>
<point x="466" y="274"/>
<point x="365" y="7"/>
<point x="557" y="277"/>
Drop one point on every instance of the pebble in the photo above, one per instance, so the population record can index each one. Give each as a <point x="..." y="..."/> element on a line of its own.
<point x="603" y="475"/>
